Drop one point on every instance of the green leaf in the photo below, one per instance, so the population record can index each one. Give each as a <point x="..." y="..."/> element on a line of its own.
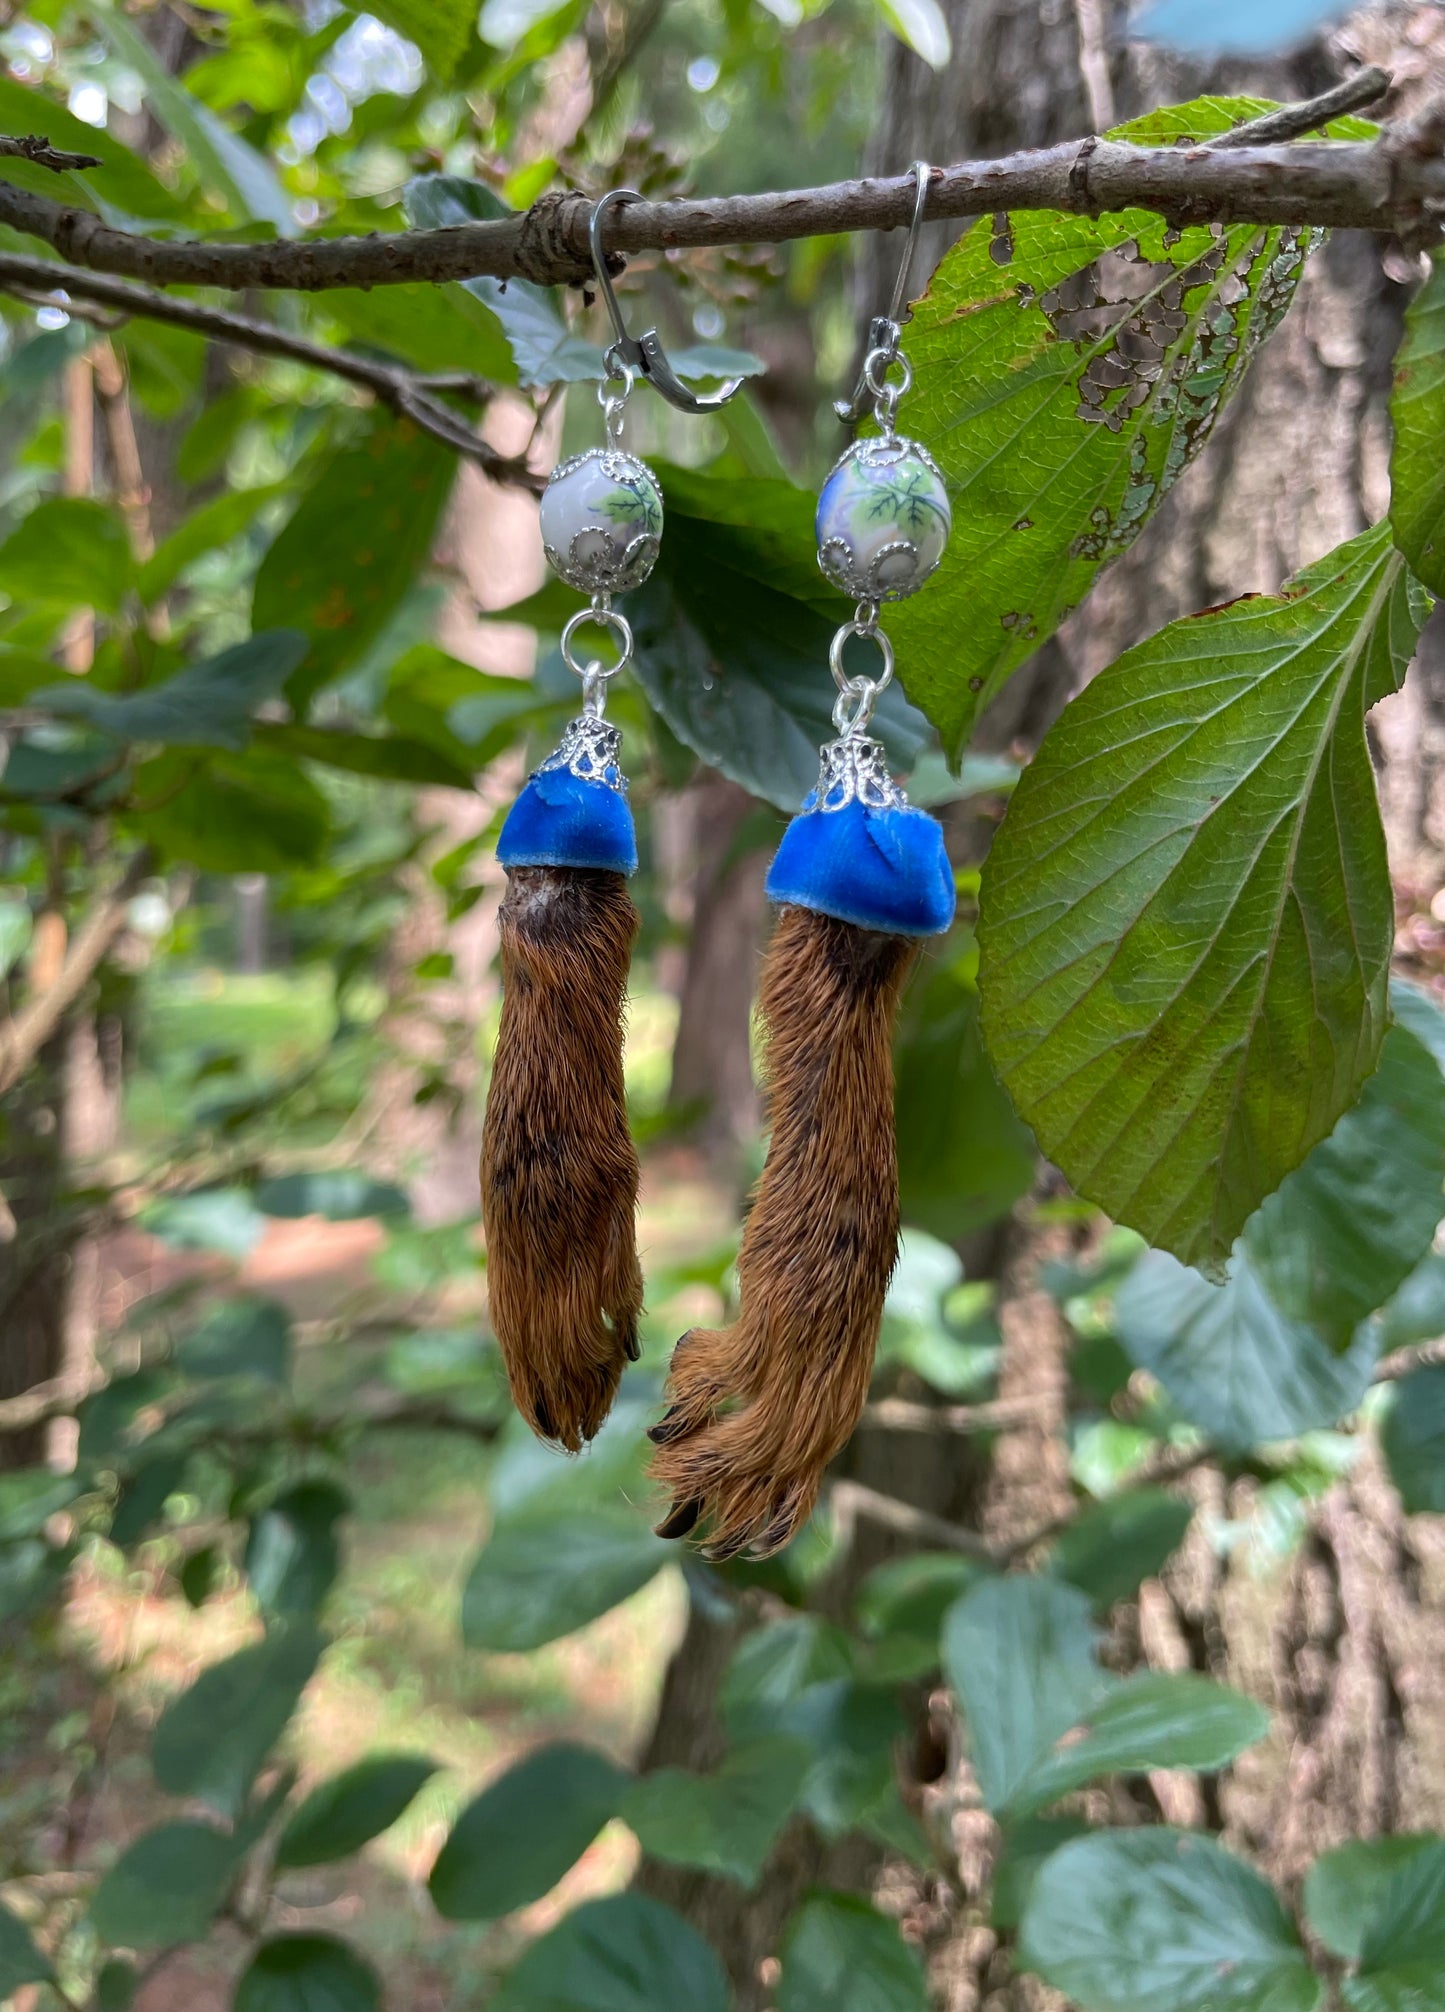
<point x="1024" y="1849"/>
<point x="307" y="1973"/>
<point x="1402" y="1952"/>
<point x="245" y="1336"/>
<point x="1066" y="371"/>
<point x="213" y="525"/>
<point x="725" y="1821"/>
<point x="1346" y="1229"/>
<point x="16" y="929"/>
<point x="341" y="1194"/>
<point x="1155" y="1720"/>
<point x="206" y="705"/>
<point x="852" y="1729"/>
<point x="211" y="1219"/>
<point x="525" y="1830"/>
<point x="1186" y="917"/>
<point x="251" y="813"/>
<point x="115" y="1986"/>
<point x="773" y="1666"/>
<point x="733" y="637"/>
<point x="20" y="1961"/>
<point x="1112" y="1546"/>
<point x="292" y="1552"/>
<point x="841" y="1952"/>
<point x="1416" y="1312"/>
<point x="1236" y="1366"/>
<point x="343" y="1814"/>
<point x="353" y="548"/>
<point x="441" y="29"/>
<point x="910" y="1596"/>
<point x="623" y="1954"/>
<point x="213" y="1740"/>
<point x="1417" y="415"/>
<point x="1162" y="1920"/>
<point x="166" y="1887"/>
<point x="387" y="757"/>
<point x="543" y="1575"/>
<point x="123" y="185"/>
<point x="68" y="551"/>
<point x="432" y="327"/>
<point x="1413" y="1438"/>
<point x="29" y="1498"/>
<point x="144" y="1495"/>
<point x="1020" y="1655"/>
<point x="963" y="1157"/>
<point x="224" y="162"/>
<point x="1343" y="1887"/>
<point x="32" y="1573"/>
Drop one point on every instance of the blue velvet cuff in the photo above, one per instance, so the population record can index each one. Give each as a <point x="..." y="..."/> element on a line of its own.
<point x="561" y="819"/>
<point x="880" y="869"/>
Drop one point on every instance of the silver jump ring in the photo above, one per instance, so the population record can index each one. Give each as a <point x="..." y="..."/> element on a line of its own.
<point x="873" y="635"/>
<point x="593" y="670"/>
<point x="853" y="707"/>
<point x="876" y="370"/>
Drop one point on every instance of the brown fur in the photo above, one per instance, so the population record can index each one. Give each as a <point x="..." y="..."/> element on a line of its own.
<point x="758" y="1409"/>
<point x="559" y="1169"/>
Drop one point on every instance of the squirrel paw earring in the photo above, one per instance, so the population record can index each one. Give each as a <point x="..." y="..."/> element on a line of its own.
<point x="757" y="1410"/>
<point x="559" y="1169"/>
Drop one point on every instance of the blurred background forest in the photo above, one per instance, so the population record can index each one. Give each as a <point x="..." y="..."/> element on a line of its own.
<point x="241" y="1177"/>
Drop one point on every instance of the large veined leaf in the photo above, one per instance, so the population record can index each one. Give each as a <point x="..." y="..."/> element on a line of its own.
<point x="1161" y="1920"/>
<point x="1186" y="918"/>
<point x="1283" y="1344"/>
<point x="1066" y="371"/>
<point x="1417" y="416"/>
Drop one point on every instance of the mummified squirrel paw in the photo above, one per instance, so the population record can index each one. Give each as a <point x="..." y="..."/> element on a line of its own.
<point x="757" y="1410"/>
<point x="559" y="1169"/>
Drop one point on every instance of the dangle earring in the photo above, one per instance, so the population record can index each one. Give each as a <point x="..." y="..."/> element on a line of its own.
<point x="559" y="1169"/>
<point x="757" y="1410"/>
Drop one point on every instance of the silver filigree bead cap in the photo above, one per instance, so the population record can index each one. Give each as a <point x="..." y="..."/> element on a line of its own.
<point x="602" y="520"/>
<point x="854" y="770"/>
<point x="591" y="750"/>
<point x="883" y="519"/>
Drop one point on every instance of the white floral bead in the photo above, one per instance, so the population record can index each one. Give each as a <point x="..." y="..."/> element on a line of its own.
<point x="883" y="519"/>
<point x="602" y="520"/>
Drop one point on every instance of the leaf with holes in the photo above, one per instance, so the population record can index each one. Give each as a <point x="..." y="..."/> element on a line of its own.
<point x="1067" y="370"/>
<point x="1186" y="917"/>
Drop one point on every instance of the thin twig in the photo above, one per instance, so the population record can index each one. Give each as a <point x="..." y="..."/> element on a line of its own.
<point x="35" y="147"/>
<point x="1292" y="122"/>
<point x="414" y="394"/>
<point x="1365" y="185"/>
<point x="26" y="1032"/>
<point x="897" y="1414"/>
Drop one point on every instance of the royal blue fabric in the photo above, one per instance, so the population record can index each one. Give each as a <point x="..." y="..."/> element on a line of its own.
<point x="881" y="869"/>
<point x="562" y="820"/>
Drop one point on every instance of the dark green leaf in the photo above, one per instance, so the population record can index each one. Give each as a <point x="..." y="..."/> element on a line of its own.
<point x="1186" y="918"/>
<point x="292" y="1553"/>
<point x="307" y="1973"/>
<point x="1343" y="1888"/>
<point x="388" y="757"/>
<point x="201" y="1574"/>
<point x="32" y="1573"/>
<point x="540" y="1576"/>
<point x="30" y="1497"/>
<point x="166" y="1887"/>
<point x="1413" y="1437"/>
<point x="963" y="1157"/>
<point x="1402" y="1952"/>
<point x="213" y="1740"/>
<point x="343" y="1814"/>
<point x="255" y="813"/>
<point x="1417" y="414"/>
<point x="774" y="1665"/>
<point x="240" y="1337"/>
<point x="910" y="1596"/>
<point x="1162" y="1920"/>
<point x="1113" y="1545"/>
<point x="20" y="1961"/>
<point x="1067" y="370"/>
<point x="1417" y="1311"/>
<point x="1020" y="1655"/>
<point x="354" y="547"/>
<point x="526" y="1830"/>
<point x="145" y="1494"/>
<point x="341" y="1194"/>
<point x="1024" y="1848"/>
<point x="115" y="1987"/>
<point x="852" y="1729"/>
<point x="1155" y="1720"/>
<point x="624" y="1954"/>
<point x="1232" y="1362"/>
<point x="725" y="1821"/>
<point x="841" y="1952"/>
<point x="207" y="705"/>
<point x="69" y="551"/>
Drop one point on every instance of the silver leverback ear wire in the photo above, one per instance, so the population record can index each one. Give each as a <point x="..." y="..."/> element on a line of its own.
<point x="885" y="331"/>
<point x="645" y="353"/>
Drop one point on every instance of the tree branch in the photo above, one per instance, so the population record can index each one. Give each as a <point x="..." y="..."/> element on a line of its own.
<point x="35" y="147"/>
<point x="1362" y="185"/>
<point x="26" y="1032"/>
<point x="412" y="393"/>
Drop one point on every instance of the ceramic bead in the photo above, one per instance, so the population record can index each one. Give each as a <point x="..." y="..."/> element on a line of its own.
<point x="602" y="520"/>
<point x="883" y="519"/>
